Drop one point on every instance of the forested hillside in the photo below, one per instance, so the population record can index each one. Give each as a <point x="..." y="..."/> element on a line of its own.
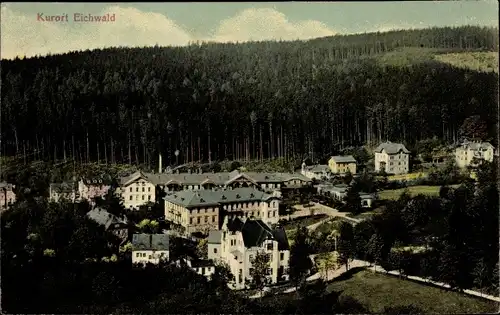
<point x="240" y="101"/>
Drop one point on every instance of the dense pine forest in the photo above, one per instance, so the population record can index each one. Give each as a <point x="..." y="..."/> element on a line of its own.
<point x="243" y="101"/>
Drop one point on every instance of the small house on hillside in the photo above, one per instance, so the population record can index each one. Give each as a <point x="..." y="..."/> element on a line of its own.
<point x="393" y="158"/>
<point x="150" y="248"/>
<point x="7" y="195"/>
<point x="315" y="171"/>
<point x="110" y="222"/>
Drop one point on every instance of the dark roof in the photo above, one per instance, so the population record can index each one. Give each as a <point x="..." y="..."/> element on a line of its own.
<point x="255" y="232"/>
<point x="280" y="236"/>
<point x="150" y="242"/>
<point x="97" y="181"/>
<point x="391" y="148"/>
<point x="192" y="198"/>
<point x="105" y="218"/>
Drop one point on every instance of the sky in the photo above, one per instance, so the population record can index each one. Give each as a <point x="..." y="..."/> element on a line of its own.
<point x="27" y="31"/>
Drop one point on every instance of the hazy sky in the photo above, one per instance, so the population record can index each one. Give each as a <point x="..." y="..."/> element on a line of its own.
<point x="144" y="24"/>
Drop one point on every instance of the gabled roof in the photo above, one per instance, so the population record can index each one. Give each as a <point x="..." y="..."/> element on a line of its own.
<point x="105" y="218"/>
<point x="391" y="148"/>
<point x="98" y="181"/>
<point x="476" y="146"/>
<point x="343" y="159"/>
<point x="191" y="198"/>
<point x="150" y="242"/>
<point x="317" y="168"/>
<point x="255" y="232"/>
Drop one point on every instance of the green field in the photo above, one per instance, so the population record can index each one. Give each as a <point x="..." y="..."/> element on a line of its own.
<point x="394" y="194"/>
<point x="377" y="291"/>
<point x="478" y="61"/>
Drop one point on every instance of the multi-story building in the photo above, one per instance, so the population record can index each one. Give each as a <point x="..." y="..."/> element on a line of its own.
<point x="150" y="248"/>
<point x="139" y="188"/>
<point x="342" y="164"/>
<point x="393" y="158"/>
<point x="468" y="151"/>
<point x="315" y="171"/>
<point x="203" y="210"/>
<point x="238" y="243"/>
<point x="64" y="191"/>
<point x="89" y="189"/>
<point x="7" y="195"/>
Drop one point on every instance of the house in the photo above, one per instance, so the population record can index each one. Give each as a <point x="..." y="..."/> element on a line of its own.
<point x="139" y="188"/>
<point x="110" y="222"/>
<point x="91" y="188"/>
<point x="7" y="195"/>
<point x="467" y="151"/>
<point x="204" y="267"/>
<point x="203" y="210"/>
<point x="150" y="248"/>
<point x="342" y="164"/>
<point x="393" y="158"/>
<point x="339" y="192"/>
<point x="238" y="243"/>
<point x="315" y="171"/>
<point x="65" y="190"/>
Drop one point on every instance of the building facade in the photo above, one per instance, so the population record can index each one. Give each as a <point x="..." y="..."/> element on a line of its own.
<point x="7" y="195"/>
<point x="315" y="171"/>
<point x="150" y="248"/>
<point x="339" y="192"/>
<point x="203" y="210"/>
<point x="393" y="158"/>
<point x="467" y="152"/>
<point x="238" y="243"/>
<point x="131" y="187"/>
<point x="89" y="189"/>
<point x="202" y="267"/>
<point x="342" y="164"/>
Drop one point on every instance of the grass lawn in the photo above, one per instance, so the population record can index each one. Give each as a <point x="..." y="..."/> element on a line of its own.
<point x="377" y="291"/>
<point x="414" y="190"/>
<point x="303" y="221"/>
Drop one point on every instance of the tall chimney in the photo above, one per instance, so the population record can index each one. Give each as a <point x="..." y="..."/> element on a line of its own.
<point x="159" y="162"/>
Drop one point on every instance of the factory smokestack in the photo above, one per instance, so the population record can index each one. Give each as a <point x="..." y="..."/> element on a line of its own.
<point x="159" y="164"/>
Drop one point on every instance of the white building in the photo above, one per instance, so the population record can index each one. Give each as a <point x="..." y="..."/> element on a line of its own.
<point x="315" y="171"/>
<point x="202" y="267"/>
<point x="393" y="158"/>
<point x="150" y="248"/>
<point x="238" y="243"/>
<point x="136" y="190"/>
<point x="468" y="151"/>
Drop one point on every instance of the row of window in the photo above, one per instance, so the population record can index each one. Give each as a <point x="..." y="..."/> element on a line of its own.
<point x="143" y="189"/>
<point x="137" y="197"/>
<point x="399" y="163"/>
<point x="206" y="219"/>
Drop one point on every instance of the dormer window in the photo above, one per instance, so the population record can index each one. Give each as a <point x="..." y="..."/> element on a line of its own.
<point x="238" y="196"/>
<point x="252" y="195"/>
<point x="223" y="197"/>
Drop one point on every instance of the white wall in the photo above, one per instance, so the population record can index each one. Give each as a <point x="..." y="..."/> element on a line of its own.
<point x="149" y="256"/>
<point x="138" y="193"/>
<point x="400" y="162"/>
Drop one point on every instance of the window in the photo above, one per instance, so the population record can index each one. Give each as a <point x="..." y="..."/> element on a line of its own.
<point x="282" y="256"/>
<point x="269" y="214"/>
<point x="131" y="197"/>
<point x="215" y="250"/>
<point x="143" y="183"/>
<point x="136" y="189"/>
<point x="138" y="255"/>
<point x="198" y="220"/>
<point x="143" y="197"/>
<point x="270" y="246"/>
<point x="213" y="218"/>
<point x="149" y="189"/>
<point x="206" y="219"/>
<point x="191" y="221"/>
<point x="149" y="197"/>
<point x="202" y="270"/>
<point x="269" y="271"/>
<point x="130" y="189"/>
<point x="149" y="257"/>
<point x="143" y="189"/>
